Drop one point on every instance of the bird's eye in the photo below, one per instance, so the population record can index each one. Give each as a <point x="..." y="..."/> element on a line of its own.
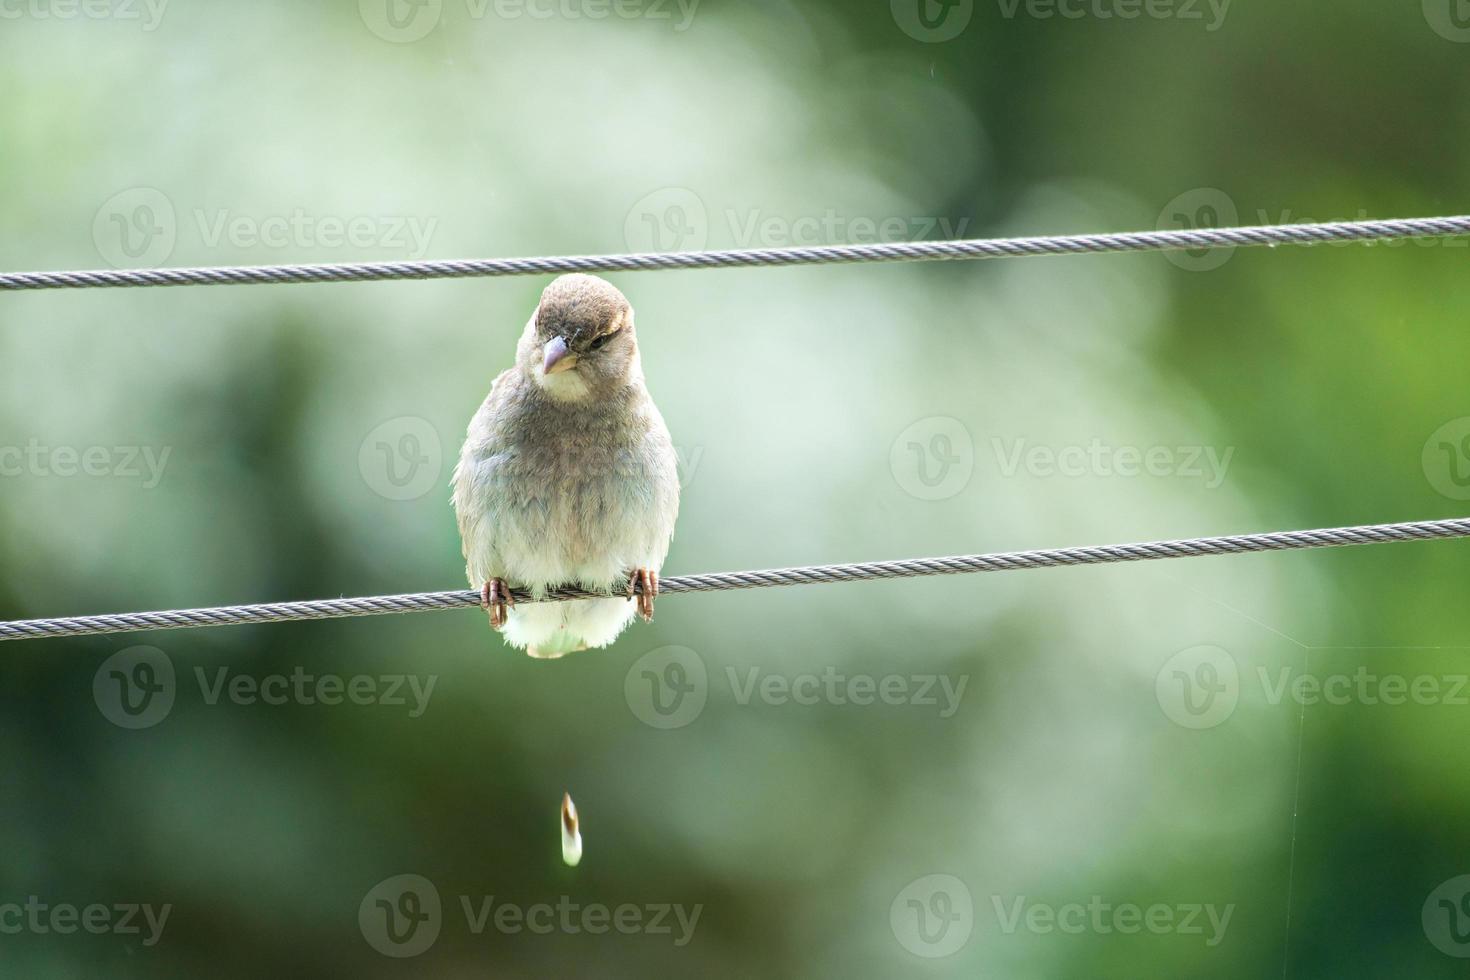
<point x="600" y="342"/>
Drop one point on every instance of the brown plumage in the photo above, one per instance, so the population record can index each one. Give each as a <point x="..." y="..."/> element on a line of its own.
<point x="568" y="475"/>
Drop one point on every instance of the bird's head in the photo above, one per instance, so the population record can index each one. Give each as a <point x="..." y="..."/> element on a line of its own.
<point x="580" y="342"/>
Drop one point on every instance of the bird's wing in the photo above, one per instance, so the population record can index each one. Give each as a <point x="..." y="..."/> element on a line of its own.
<point x="664" y="487"/>
<point x="482" y="440"/>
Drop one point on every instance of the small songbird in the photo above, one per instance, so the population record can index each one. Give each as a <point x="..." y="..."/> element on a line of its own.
<point x="568" y="476"/>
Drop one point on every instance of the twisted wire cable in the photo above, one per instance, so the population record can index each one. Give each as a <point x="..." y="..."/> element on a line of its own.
<point x="721" y="581"/>
<point x="980" y="248"/>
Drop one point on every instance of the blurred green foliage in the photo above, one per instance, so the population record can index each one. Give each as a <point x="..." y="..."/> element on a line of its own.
<point x="279" y="132"/>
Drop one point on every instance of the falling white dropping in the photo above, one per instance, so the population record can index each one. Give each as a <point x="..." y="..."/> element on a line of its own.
<point x="571" y="832"/>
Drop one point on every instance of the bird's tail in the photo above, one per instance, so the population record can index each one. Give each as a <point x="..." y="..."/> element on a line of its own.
<point x="559" y="644"/>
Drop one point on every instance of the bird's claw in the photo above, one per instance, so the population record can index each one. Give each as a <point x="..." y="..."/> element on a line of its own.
<point x="495" y="598"/>
<point x="643" y="587"/>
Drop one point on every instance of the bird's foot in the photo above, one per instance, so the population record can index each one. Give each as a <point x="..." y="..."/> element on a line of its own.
<point x="643" y="587"/>
<point x="495" y="598"/>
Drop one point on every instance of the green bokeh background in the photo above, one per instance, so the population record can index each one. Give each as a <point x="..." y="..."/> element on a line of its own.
<point x="800" y="830"/>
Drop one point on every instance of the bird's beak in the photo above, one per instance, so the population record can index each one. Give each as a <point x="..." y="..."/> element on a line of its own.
<point x="558" y="358"/>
